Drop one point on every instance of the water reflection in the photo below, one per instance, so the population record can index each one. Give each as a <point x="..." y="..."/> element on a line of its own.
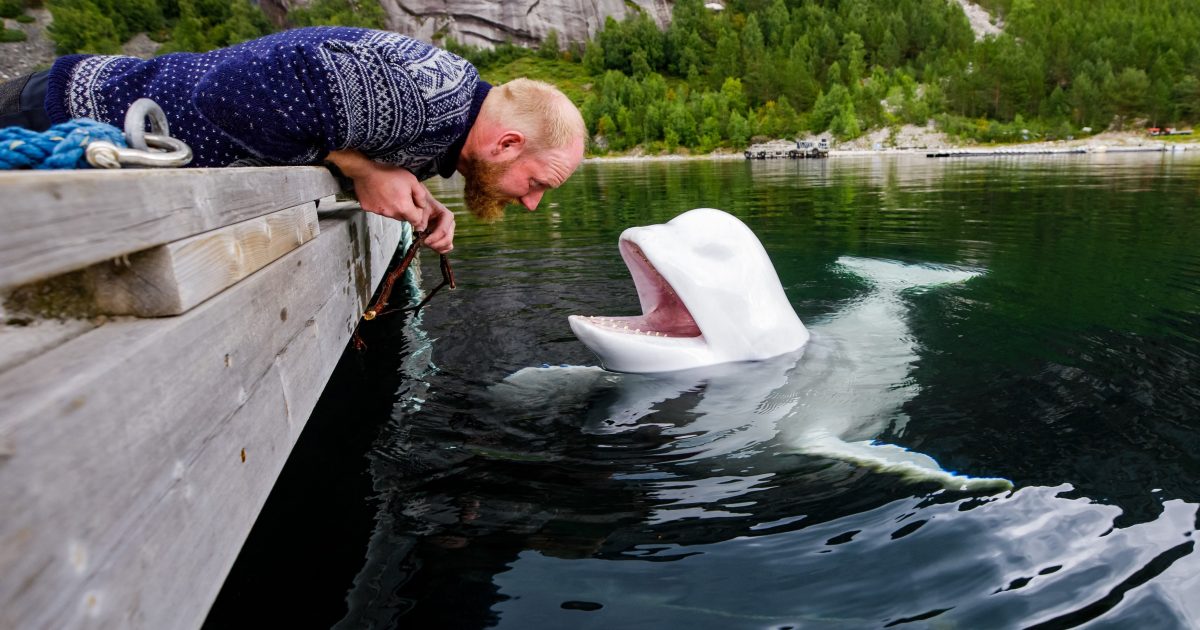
<point x="1068" y="367"/>
<point x="1048" y="560"/>
<point x="678" y="516"/>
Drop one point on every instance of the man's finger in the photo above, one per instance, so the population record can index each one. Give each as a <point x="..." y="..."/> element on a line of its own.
<point x="441" y="236"/>
<point x="439" y="245"/>
<point x="426" y="219"/>
<point x="421" y="196"/>
<point x="417" y="216"/>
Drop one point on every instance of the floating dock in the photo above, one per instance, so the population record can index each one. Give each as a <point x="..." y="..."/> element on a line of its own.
<point x="959" y="153"/>
<point x="163" y="339"/>
<point x="962" y="153"/>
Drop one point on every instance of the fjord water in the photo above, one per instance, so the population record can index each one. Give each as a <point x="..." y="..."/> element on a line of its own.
<point x="1068" y="366"/>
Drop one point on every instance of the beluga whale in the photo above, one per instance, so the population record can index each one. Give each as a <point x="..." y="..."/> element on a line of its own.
<point x="709" y="295"/>
<point x="719" y="362"/>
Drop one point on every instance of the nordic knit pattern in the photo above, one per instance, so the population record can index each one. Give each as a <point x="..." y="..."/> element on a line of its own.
<point x="290" y="98"/>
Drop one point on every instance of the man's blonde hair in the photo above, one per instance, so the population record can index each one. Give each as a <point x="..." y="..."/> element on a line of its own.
<point x="539" y="110"/>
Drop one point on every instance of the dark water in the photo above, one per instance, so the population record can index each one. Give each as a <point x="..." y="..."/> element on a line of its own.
<point x="419" y="498"/>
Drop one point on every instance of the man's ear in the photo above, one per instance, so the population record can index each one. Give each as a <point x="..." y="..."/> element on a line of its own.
<point x="510" y="144"/>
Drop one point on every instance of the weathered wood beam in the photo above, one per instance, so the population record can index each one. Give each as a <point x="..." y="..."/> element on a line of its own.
<point x="25" y="338"/>
<point x="173" y="278"/>
<point x="54" y="222"/>
<point x="135" y="457"/>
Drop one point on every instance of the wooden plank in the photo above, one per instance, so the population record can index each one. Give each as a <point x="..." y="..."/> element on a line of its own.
<point x="57" y="221"/>
<point x="173" y="278"/>
<point x="124" y="495"/>
<point x="26" y="338"/>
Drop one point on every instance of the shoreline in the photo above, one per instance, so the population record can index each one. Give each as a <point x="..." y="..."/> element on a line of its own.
<point x="1108" y="142"/>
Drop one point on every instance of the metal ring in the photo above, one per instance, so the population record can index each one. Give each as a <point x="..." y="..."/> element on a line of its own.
<point x="175" y="152"/>
<point x="135" y="123"/>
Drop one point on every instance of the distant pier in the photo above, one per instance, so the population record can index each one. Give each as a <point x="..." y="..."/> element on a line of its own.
<point x="964" y="153"/>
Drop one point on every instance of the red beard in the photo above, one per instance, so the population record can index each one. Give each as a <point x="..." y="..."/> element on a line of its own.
<point x="482" y="194"/>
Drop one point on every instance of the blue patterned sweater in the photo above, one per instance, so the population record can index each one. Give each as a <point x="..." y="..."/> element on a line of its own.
<point x="290" y="98"/>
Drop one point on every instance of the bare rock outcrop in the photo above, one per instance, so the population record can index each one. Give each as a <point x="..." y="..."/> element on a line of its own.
<point x="523" y="22"/>
<point x="981" y="21"/>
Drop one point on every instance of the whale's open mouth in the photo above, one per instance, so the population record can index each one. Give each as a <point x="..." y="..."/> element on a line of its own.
<point x="708" y="293"/>
<point x="664" y="313"/>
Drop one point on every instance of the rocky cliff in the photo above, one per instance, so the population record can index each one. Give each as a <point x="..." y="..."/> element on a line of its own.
<point x="474" y="22"/>
<point x="525" y="22"/>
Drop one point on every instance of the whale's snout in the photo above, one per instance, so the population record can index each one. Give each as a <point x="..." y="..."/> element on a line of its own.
<point x="708" y="294"/>
<point x="623" y="347"/>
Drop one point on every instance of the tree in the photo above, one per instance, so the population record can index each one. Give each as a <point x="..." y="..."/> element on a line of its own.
<point x="852" y="55"/>
<point x="1057" y="107"/>
<point x="639" y="66"/>
<point x="845" y="123"/>
<point x="727" y="61"/>
<point x="593" y="58"/>
<point x="1128" y="91"/>
<point x="836" y="102"/>
<point x="710" y="135"/>
<point x="888" y="53"/>
<point x="549" y="47"/>
<point x="739" y="129"/>
<point x="80" y="27"/>
<point x="732" y="91"/>
<point x="1088" y="102"/>
<point x="1185" y="98"/>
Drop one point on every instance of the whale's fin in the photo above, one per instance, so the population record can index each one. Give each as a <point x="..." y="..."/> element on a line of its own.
<point x="898" y="460"/>
<point x="890" y="275"/>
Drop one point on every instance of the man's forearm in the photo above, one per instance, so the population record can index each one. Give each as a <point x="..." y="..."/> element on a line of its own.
<point x="393" y="191"/>
<point x="351" y="163"/>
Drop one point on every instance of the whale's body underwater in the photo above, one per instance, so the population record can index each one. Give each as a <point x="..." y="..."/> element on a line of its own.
<point x="718" y="333"/>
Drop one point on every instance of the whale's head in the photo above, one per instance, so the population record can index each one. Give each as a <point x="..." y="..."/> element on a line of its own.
<point x="709" y="295"/>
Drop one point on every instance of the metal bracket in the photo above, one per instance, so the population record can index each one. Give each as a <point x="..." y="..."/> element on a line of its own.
<point x="156" y="149"/>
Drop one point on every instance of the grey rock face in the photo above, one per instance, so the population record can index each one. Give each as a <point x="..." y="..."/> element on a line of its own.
<point x="524" y="22"/>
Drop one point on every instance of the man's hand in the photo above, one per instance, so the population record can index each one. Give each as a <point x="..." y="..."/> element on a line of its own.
<point x="440" y="234"/>
<point x="393" y="191"/>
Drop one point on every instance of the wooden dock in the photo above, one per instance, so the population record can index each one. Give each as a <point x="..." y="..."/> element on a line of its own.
<point x="164" y="336"/>
<point x="962" y="153"/>
<point x="1020" y="151"/>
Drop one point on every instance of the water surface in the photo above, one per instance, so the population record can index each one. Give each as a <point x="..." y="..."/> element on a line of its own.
<point x="417" y="498"/>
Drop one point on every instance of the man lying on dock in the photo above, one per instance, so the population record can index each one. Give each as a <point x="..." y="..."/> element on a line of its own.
<point x="386" y="110"/>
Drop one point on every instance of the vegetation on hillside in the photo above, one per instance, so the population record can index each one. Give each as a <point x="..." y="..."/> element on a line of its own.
<point x="777" y="68"/>
<point x="101" y="26"/>
<point x="13" y="10"/>
<point x="362" y="13"/>
<point x="780" y="68"/>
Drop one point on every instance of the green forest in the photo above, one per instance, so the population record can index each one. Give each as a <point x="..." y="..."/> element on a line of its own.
<point x="777" y="68"/>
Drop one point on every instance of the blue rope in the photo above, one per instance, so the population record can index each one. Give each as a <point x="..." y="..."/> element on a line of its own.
<point x="59" y="147"/>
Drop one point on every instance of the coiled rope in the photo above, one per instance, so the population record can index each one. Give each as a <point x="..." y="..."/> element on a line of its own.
<point x="62" y="146"/>
<point x="84" y="143"/>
